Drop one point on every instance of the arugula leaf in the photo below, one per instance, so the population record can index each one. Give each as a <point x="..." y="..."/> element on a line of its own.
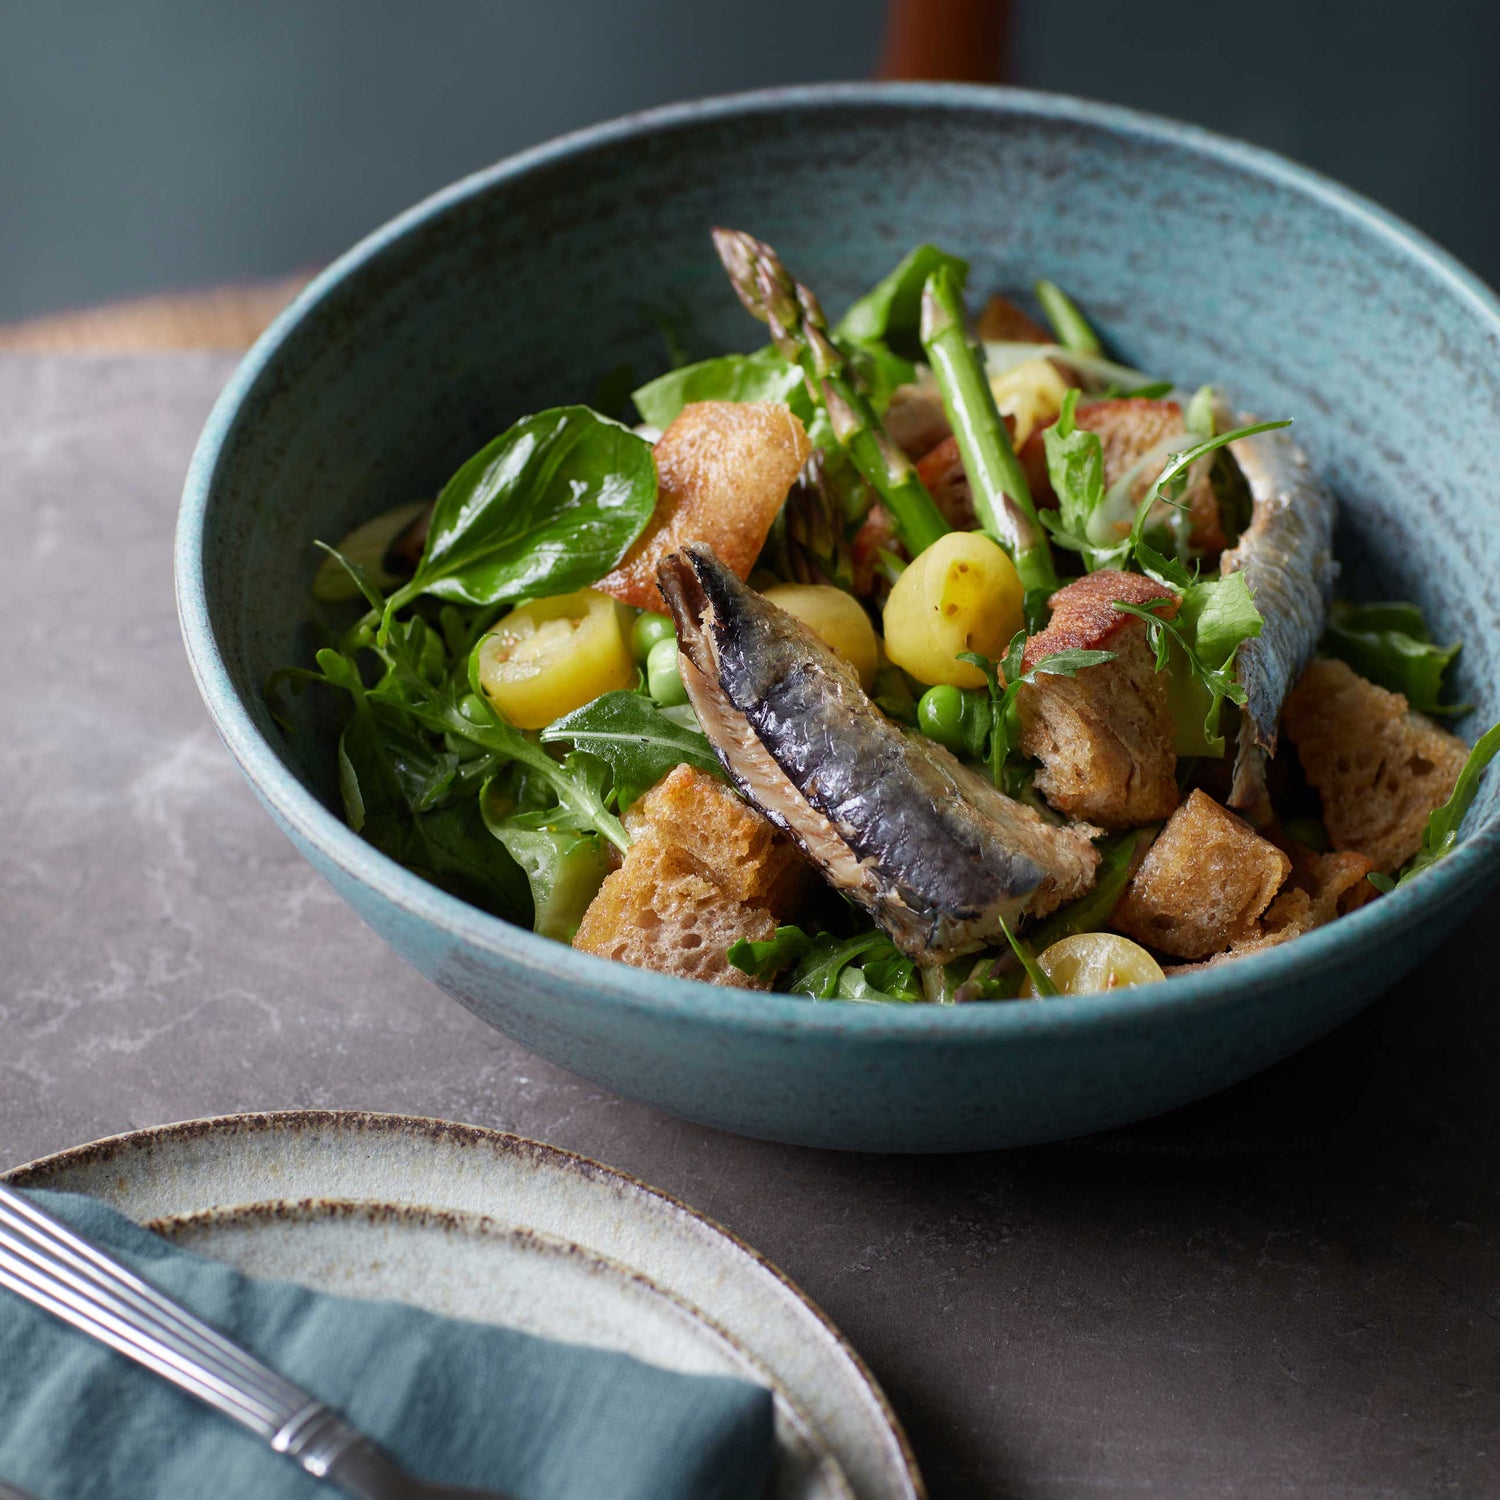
<point x="1441" y="834"/>
<point x="1091" y="912"/>
<point x="1034" y="971"/>
<point x="761" y="376"/>
<point x="1390" y="644"/>
<point x="1214" y="617"/>
<point x="818" y="971"/>
<point x="891" y="311"/>
<point x="390" y="781"/>
<point x="1064" y="525"/>
<point x="638" y="740"/>
<point x="770" y="956"/>
<point x="547" y="507"/>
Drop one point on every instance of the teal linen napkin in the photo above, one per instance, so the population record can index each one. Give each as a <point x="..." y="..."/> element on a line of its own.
<point x="460" y="1403"/>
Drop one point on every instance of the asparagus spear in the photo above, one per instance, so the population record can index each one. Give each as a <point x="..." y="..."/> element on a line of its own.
<point x="1071" y="327"/>
<point x="800" y="331"/>
<point x="1002" y="498"/>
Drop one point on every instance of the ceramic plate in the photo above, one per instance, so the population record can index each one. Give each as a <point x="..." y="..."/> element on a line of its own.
<point x="477" y="1224"/>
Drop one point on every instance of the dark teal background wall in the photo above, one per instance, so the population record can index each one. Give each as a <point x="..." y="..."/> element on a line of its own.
<point x="164" y="144"/>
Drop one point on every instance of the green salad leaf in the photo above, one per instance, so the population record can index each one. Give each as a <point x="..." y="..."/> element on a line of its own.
<point x="890" y="312"/>
<point x="1091" y="912"/>
<point x="639" y="740"/>
<point x="771" y="955"/>
<point x="1199" y="647"/>
<point x="761" y="376"/>
<point x="1390" y="644"/>
<point x="564" y="868"/>
<point x="549" y="506"/>
<point x="820" y="972"/>
<point x="1026" y="957"/>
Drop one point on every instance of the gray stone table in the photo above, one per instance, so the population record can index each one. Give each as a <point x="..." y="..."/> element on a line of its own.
<point x="1292" y="1289"/>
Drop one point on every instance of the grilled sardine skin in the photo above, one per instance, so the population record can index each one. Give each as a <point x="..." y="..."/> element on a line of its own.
<point x="1286" y="555"/>
<point x="934" y="852"/>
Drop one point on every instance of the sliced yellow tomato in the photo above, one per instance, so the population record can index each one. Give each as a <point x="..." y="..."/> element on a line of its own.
<point x="961" y="594"/>
<point x="1030" y="394"/>
<point x="837" y="619"/>
<point x="1089" y="962"/>
<point x="554" y="655"/>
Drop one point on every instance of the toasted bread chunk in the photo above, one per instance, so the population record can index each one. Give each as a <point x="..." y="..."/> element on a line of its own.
<point x="1322" y="887"/>
<point x="1105" y="736"/>
<point x="942" y="471"/>
<point x="1203" y="884"/>
<point x="704" y="871"/>
<point x="1002" y="322"/>
<point x="1129" y="427"/>
<point x="725" y="838"/>
<point x="915" y="418"/>
<point x="1379" y="769"/>
<point x="723" y="471"/>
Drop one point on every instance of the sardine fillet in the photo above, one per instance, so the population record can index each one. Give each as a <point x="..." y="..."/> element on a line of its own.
<point x="1286" y="555"/>
<point x="936" y="854"/>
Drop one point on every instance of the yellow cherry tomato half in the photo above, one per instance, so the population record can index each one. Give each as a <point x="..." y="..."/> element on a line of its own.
<point x="551" y="656"/>
<point x="837" y="619"/>
<point x="1089" y="962"/>
<point x="1030" y="394"/>
<point x="961" y="594"/>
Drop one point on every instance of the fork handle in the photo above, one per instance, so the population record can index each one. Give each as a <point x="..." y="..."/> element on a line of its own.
<point x="45" y="1262"/>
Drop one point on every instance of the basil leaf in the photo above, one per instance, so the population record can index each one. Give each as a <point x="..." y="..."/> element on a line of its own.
<point x="549" y="506"/>
<point x="891" y="311"/>
<point x="1441" y="833"/>
<point x="761" y="376"/>
<point x="771" y="955"/>
<point x="636" y="738"/>
<point x="1390" y="644"/>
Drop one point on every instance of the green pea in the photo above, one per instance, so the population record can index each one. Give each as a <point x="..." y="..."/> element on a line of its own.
<point x="940" y="715"/>
<point x="649" y="630"/>
<point x="956" y="719"/>
<point x="663" y="680"/>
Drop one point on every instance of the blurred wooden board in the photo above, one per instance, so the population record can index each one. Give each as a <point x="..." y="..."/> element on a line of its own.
<point x="227" y="317"/>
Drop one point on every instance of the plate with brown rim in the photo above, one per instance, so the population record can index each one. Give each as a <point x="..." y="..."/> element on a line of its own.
<point x="478" y="1224"/>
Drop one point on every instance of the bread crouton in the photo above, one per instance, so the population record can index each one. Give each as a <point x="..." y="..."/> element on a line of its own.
<point x="1129" y="427"/>
<point x="941" y="469"/>
<point x="1322" y="887"/>
<point x="1203" y="883"/>
<point x="723" y="470"/>
<point x="1002" y="322"/>
<point x="1379" y="769"/>
<point x="1105" y="736"/>
<point x="704" y="870"/>
<point x="915" y="418"/>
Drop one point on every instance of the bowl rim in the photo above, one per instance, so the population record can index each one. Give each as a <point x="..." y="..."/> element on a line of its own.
<point x="1471" y="866"/>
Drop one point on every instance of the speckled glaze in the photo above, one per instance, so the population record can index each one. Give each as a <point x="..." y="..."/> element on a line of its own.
<point x="520" y="287"/>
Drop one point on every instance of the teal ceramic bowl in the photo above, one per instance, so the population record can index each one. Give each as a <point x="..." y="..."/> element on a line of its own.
<point x="522" y="286"/>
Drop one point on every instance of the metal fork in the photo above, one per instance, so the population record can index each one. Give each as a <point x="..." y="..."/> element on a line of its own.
<point x="44" y="1261"/>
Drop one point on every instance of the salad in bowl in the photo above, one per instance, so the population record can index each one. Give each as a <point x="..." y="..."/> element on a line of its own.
<point x="910" y="658"/>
